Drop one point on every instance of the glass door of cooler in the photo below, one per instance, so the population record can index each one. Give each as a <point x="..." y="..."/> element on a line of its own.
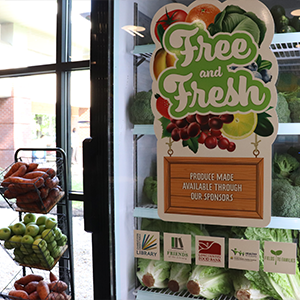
<point x="121" y="162"/>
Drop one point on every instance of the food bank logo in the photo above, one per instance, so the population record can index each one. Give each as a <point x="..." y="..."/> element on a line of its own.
<point x="209" y="251"/>
<point x="146" y="244"/>
<point x="149" y="243"/>
<point x="209" y="247"/>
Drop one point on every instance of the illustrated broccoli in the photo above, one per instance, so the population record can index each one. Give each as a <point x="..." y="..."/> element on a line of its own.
<point x="282" y="109"/>
<point x="285" y="199"/>
<point x="140" y="111"/>
<point x="284" y="164"/>
<point x="150" y="188"/>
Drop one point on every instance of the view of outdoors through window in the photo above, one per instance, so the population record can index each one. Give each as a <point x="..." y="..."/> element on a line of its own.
<point x="28" y="105"/>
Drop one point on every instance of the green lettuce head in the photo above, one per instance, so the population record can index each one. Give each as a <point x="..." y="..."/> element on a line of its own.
<point x="233" y="18"/>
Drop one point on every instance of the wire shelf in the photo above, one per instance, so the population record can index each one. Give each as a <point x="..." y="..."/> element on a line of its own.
<point x="147" y="293"/>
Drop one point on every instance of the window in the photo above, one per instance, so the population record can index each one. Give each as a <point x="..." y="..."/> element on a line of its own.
<point x="44" y="92"/>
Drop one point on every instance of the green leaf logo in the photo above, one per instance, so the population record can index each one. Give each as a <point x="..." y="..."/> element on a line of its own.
<point x="276" y="253"/>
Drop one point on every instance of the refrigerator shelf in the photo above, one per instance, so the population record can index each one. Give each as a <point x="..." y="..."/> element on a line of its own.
<point x="284" y="46"/>
<point x="150" y="212"/>
<point x="283" y="129"/>
<point x="144" y="293"/>
<point x="143" y="129"/>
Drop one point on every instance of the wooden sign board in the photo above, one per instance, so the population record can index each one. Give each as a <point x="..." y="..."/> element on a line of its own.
<point x="211" y="186"/>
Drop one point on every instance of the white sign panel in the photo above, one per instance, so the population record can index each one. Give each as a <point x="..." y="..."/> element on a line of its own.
<point x="177" y="248"/>
<point x="209" y="251"/>
<point x="146" y="244"/>
<point x="243" y="254"/>
<point x="280" y="257"/>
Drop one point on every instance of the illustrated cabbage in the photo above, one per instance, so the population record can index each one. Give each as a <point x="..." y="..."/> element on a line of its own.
<point x="233" y="18"/>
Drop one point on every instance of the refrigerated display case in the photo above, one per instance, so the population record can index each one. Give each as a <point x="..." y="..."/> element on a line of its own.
<point x="120" y="159"/>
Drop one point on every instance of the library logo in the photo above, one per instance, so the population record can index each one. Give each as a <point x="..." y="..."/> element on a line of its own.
<point x="177" y="243"/>
<point x="146" y="244"/>
<point x="177" y="247"/>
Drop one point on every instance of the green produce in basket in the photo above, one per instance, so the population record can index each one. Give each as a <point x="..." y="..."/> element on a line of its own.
<point x="5" y="233"/>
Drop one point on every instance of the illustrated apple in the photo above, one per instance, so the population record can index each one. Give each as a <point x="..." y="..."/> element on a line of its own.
<point x="162" y="60"/>
<point x="16" y="240"/>
<point x="51" y="223"/>
<point x="29" y="218"/>
<point x="58" y="233"/>
<point x="48" y="235"/>
<point x="41" y="220"/>
<point x="5" y="233"/>
<point x="42" y="228"/>
<point x="32" y="230"/>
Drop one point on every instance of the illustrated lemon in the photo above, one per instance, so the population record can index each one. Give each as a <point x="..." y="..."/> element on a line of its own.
<point x="242" y="126"/>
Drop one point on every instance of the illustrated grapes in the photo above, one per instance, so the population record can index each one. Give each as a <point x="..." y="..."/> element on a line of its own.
<point x="206" y="128"/>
